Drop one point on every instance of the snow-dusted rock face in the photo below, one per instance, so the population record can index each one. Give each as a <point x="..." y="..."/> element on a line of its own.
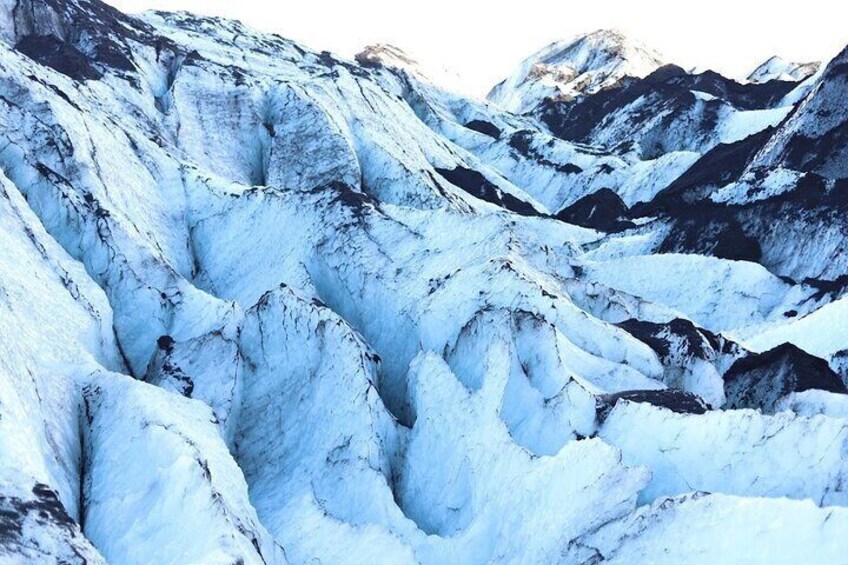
<point x="776" y="197"/>
<point x="262" y="304"/>
<point x="36" y="527"/>
<point x="693" y="358"/>
<point x="668" y="111"/>
<point x="386" y="55"/>
<point x="812" y="140"/>
<point x="761" y="380"/>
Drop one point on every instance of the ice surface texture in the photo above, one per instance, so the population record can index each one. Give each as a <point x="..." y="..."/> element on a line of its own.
<point x="261" y="304"/>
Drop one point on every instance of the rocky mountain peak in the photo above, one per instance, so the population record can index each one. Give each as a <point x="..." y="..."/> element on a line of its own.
<point x="570" y="68"/>
<point x="777" y="68"/>
<point x="386" y="55"/>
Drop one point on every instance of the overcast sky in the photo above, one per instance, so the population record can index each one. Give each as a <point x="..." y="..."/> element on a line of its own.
<point x="484" y="41"/>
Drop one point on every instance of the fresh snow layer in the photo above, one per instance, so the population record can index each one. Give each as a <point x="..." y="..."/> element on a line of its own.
<point x="714" y="293"/>
<point x="818" y="333"/>
<point x="813" y="402"/>
<point x="734" y="452"/>
<point x="719" y="529"/>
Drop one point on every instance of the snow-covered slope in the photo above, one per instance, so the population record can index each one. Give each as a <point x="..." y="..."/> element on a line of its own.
<point x="716" y="528"/>
<point x="735" y="452"/>
<point x="667" y="111"/>
<point x="263" y="304"/>
<point x="777" y="196"/>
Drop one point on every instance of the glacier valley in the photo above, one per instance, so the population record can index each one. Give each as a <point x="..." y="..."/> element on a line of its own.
<point x="264" y="304"/>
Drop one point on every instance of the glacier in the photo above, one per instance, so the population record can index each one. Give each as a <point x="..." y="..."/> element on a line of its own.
<point x="266" y="304"/>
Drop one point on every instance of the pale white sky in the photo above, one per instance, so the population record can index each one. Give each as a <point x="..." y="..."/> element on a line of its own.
<point x="484" y="41"/>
